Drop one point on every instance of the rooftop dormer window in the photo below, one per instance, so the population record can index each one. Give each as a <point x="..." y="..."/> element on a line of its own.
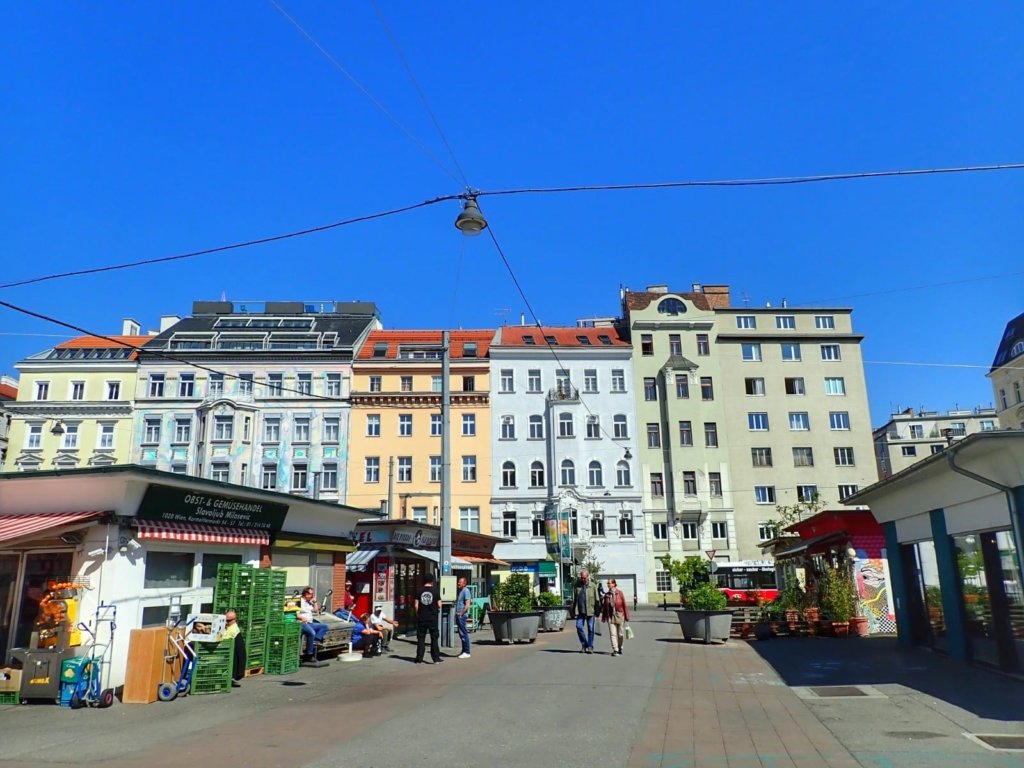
<point x="583" y="340"/>
<point x="605" y="339"/>
<point x="529" y="341"/>
<point x="469" y="349"/>
<point x="380" y="349"/>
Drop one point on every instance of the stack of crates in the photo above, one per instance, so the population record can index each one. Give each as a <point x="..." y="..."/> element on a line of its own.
<point x="257" y="596"/>
<point x="214" y="663"/>
<point x="284" y="645"/>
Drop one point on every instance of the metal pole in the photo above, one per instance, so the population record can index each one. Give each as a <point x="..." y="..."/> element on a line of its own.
<point x="391" y="487"/>
<point x="445" y="553"/>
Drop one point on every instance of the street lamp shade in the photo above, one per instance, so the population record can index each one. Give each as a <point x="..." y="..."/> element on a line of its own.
<point x="470" y="221"/>
<point x="58" y="428"/>
<point x="628" y="455"/>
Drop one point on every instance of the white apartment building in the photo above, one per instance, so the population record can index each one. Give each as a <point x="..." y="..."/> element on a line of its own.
<point x="1007" y="375"/>
<point x="8" y="394"/>
<point x="564" y="433"/>
<point x="910" y="435"/>
<point x="740" y="410"/>
<point x="252" y="393"/>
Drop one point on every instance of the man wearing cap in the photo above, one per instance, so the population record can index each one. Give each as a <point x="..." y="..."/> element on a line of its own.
<point x="384" y="625"/>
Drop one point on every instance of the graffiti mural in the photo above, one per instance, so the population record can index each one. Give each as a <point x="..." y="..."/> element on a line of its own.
<point x="872" y="578"/>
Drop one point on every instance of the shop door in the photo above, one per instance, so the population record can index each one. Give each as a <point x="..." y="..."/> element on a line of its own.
<point x="408" y="574"/>
<point x="8" y="590"/>
<point x="41" y="569"/>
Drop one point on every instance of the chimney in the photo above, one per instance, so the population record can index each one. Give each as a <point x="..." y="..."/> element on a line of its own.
<point x="698" y="288"/>
<point x="657" y="289"/>
<point x="130" y="327"/>
<point x="522" y="318"/>
<point x="717" y="296"/>
<point x="166" y="321"/>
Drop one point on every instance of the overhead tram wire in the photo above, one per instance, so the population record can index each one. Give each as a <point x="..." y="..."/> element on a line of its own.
<point x="156" y="353"/>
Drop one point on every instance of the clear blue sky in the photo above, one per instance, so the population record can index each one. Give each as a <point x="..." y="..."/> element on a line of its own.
<point x="141" y="130"/>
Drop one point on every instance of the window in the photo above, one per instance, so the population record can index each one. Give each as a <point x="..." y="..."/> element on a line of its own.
<point x="625" y="523"/>
<point x="508" y="524"/>
<point x="469" y="469"/>
<point x="623" y="478"/>
<point x="508" y="427"/>
<point x="751" y="352"/>
<point x="703" y="345"/>
<point x="803" y="457"/>
<point x="220" y="472"/>
<point x="568" y="472"/>
<point x="590" y="380"/>
<point x="380" y="349"/>
<point x="375" y="384"/>
<point x="595" y="475"/>
<point x="565" y="425"/>
<point x="593" y="427"/>
<point x="707" y="388"/>
<point x="469" y="349"/>
<point x="536" y="427"/>
<point x="689" y="483"/>
<point x="435" y="469"/>
<point x="537" y="525"/>
<point x="597" y="523"/>
<point x="216" y="384"/>
<point x="916" y="431"/>
<point x="405" y="469"/>
<point x="720" y="530"/>
<point x="987" y="425"/>
<point x="909" y="450"/>
<point x="275" y="385"/>
<point x="168" y="570"/>
<point x="662" y="581"/>
<point x="795" y="386"/>
<point x="245" y="384"/>
<point x="533" y="380"/>
<point x="826" y="322"/>
<point x="653" y="435"/>
<point x="754" y="387"/>
<point x="562" y="383"/>
<point x="620" y="427"/>
<point x="688" y="531"/>
<point x="272" y="430"/>
<point x="300" y="477"/>
<point x="618" y="380"/>
<point x="405" y="384"/>
<point x="113" y="390"/>
<point x="151" y="431"/>
<point x="675" y="345"/>
<point x="302" y="429"/>
<point x="156" y="385"/>
<point x="468" y="424"/>
<point x="329" y="477"/>
<point x="333" y="388"/>
<point x="685" y="433"/>
<point x="682" y="386"/>
<point x="785" y="322"/>
<point x="372" y="474"/>
<point x="269" y="479"/>
<point x="70" y="441"/>
<point x="761" y="457"/>
<point x="469" y="519"/>
<point x="830" y="352"/>
<point x="657" y="484"/>
<point x="182" y="430"/>
<point x="799" y="421"/>
<point x="1016" y="390"/>
<point x="405" y="425"/>
<point x="78" y="390"/>
<point x="957" y="428"/>
<point x="508" y="475"/>
<point x="838" y="420"/>
<point x="34" y="436"/>
<point x="436" y="383"/>
<point x="715" y="483"/>
<point x="646" y="344"/>
<point x="537" y="475"/>
<point x="764" y="494"/>
<point x="765" y="531"/>
<point x="710" y="434"/>
<point x="806" y="493"/>
<point x="373" y="425"/>
<point x="846" y="491"/>
<point x="332" y="430"/>
<point x="507" y="380"/>
<point x="844" y="457"/>
<point x="835" y="385"/>
<point x="106" y="436"/>
<point x="757" y="422"/>
<point x="791" y="352"/>
<point x="186" y="385"/>
<point x="660" y="531"/>
<point x="937" y="449"/>
<point x="650" y="389"/>
<point x="436" y="425"/>
<point x="746" y="321"/>
<point x="469" y="384"/>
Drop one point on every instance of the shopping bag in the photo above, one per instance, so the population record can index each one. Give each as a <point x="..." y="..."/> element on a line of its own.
<point x="628" y="632"/>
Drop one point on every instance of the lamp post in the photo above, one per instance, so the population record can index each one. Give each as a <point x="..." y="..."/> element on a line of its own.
<point x="470" y="221"/>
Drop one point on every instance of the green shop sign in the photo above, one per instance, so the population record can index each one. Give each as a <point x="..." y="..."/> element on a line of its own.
<point x="179" y="505"/>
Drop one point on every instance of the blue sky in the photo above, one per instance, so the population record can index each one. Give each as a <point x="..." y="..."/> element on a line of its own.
<point x="142" y="130"/>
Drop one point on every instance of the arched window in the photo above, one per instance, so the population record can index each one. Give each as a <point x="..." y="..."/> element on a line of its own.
<point x="622" y="477"/>
<point x="537" y="475"/>
<point x="568" y="472"/>
<point x="595" y="476"/>
<point x="508" y="475"/>
<point x="536" y="427"/>
<point x="619" y="427"/>
<point x="565" y="425"/>
<point x="1018" y="349"/>
<point x="671" y="306"/>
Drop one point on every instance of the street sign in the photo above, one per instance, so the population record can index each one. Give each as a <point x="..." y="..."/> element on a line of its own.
<point x="710" y="553"/>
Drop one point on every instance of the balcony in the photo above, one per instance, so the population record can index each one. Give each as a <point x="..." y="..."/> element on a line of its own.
<point x="218" y="393"/>
<point x="565" y="393"/>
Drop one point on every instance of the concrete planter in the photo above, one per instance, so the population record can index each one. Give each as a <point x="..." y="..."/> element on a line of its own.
<point x="705" y="625"/>
<point x="515" y="627"/>
<point x="552" y="619"/>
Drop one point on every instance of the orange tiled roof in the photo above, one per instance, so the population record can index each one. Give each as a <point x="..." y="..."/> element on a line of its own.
<point x="512" y="336"/>
<point x="7" y="392"/>
<point x="396" y="339"/>
<point x="95" y="342"/>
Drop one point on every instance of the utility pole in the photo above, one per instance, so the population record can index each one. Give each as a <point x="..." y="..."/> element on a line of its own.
<point x="391" y="487"/>
<point x="445" y="549"/>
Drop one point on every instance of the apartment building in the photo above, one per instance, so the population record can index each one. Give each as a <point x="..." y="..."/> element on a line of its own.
<point x="1007" y="375"/>
<point x="8" y="394"/>
<point x="564" y="435"/>
<point x="252" y="393"/>
<point x="395" y="436"/>
<point x="74" y="404"/>
<point x="910" y="435"/>
<point x="740" y="410"/>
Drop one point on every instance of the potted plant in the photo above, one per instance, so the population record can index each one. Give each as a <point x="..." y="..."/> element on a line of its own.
<point x="763" y="624"/>
<point x="704" y="614"/>
<point x="791" y="601"/>
<point x="838" y="599"/>
<point x="553" y="612"/>
<point x="515" y="618"/>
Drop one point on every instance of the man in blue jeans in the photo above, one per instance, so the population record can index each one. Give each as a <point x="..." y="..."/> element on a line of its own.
<point x="312" y="629"/>
<point x="587" y="606"/>
<point x="463" y="605"/>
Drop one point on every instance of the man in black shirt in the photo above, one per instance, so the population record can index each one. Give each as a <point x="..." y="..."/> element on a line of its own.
<point x="428" y="606"/>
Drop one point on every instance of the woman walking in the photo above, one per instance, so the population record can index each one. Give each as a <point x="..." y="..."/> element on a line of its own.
<point x="615" y="613"/>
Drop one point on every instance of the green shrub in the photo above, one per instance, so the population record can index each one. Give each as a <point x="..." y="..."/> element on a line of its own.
<point x="548" y="600"/>
<point x="838" y="599"/>
<point x="515" y="594"/>
<point x="705" y="597"/>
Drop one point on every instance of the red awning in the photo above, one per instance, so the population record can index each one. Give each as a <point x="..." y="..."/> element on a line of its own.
<point x="204" y="534"/>
<point x="485" y="559"/>
<point x="19" y="526"/>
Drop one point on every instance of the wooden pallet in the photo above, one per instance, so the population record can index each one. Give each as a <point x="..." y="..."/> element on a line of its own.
<point x="253" y="671"/>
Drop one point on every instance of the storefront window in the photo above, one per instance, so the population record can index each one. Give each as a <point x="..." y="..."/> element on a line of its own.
<point x="931" y="594"/>
<point x="970" y="565"/>
<point x="169" y="570"/>
<point x="40" y="570"/>
<point x="1009" y="564"/>
<point x="210" y="564"/>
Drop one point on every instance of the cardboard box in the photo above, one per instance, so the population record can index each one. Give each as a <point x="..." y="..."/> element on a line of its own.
<point x="10" y="680"/>
<point x="206" y="627"/>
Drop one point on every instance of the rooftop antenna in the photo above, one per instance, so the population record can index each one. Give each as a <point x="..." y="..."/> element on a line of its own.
<point x="503" y="313"/>
<point x="746" y="299"/>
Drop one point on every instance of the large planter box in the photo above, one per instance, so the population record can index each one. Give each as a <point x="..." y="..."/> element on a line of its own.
<point x="705" y="625"/>
<point x="514" y="627"/>
<point x="552" y="619"/>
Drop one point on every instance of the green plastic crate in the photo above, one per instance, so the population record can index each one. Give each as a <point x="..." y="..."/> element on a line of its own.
<point x="9" y="698"/>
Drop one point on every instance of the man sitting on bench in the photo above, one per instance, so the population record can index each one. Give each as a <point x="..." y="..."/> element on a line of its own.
<point x="312" y="629"/>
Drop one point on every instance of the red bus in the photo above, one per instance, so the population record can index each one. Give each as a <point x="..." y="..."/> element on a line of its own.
<point x="744" y="581"/>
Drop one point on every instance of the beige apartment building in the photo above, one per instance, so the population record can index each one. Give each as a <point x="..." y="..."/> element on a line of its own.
<point x="740" y="410"/>
<point x="910" y="435"/>
<point x="1007" y="375"/>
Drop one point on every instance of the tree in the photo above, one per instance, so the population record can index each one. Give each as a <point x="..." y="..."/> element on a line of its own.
<point x="794" y="513"/>
<point x="587" y="559"/>
<point x="688" y="572"/>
